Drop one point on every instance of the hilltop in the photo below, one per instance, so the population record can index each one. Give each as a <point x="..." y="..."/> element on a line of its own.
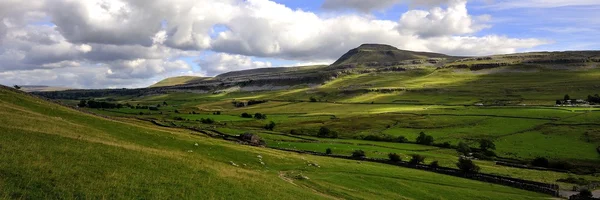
<point x="179" y="80"/>
<point x="384" y="55"/>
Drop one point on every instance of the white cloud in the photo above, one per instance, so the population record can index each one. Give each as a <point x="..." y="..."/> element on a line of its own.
<point x="126" y="42"/>
<point x="455" y="20"/>
<point x="360" y="5"/>
<point x="215" y="64"/>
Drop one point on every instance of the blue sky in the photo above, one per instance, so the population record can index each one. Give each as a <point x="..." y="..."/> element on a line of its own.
<point x="122" y="43"/>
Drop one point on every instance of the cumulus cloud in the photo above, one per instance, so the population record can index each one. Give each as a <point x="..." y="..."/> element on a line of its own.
<point x="455" y="20"/>
<point x="100" y="43"/>
<point x="215" y="64"/>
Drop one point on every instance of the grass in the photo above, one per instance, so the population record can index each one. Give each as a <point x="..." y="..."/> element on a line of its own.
<point x="49" y="151"/>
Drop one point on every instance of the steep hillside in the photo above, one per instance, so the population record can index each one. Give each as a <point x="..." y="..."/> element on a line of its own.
<point x="179" y="80"/>
<point x="52" y="152"/>
<point x="384" y="55"/>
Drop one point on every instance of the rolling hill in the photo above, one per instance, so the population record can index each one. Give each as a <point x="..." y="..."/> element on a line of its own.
<point x="53" y="152"/>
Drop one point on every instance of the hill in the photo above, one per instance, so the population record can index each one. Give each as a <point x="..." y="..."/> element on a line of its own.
<point x="49" y="151"/>
<point x="179" y="80"/>
<point x="383" y="55"/>
<point x="42" y="88"/>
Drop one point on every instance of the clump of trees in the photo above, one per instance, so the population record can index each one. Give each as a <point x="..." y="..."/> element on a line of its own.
<point x="246" y="115"/>
<point x="325" y="132"/>
<point x="260" y="116"/>
<point x="424" y="139"/>
<point x="594" y="99"/>
<point x="463" y="148"/>
<point x="207" y="121"/>
<point x="358" y="154"/>
<point x="385" y="138"/>
<point x="394" y="157"/>
<point x="467" y="165"/>
<point x="417" y="159"/>
<point x="270" y="126"/>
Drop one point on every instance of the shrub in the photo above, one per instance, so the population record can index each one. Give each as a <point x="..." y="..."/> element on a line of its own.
<point x="585" y="194"/>
<point x="417" y="159"/>
<point x="434" y="164"/>
<point x="358" y="154"/>
<point x="567" y="97"/>
<point x="486" y="144"/>
<point x="328" y="151"/>
<point x="401" y="139"/>
<point x="246" y="115"/>
<point x="394" y="157"/>
<point x="270" y="126"/>
<point x="324" y="132"/>
<point x="313" y="99"/>
<point x="540" y="162"/>
<point x="207" y="121"/>
<point x="463" y="148"/>
<point x="260" y="116"/>
<point x="467" y="165"/>
<point x="424" y="139"/>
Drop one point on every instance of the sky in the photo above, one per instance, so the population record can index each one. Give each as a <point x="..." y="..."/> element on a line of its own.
<point x="135" y="43"/>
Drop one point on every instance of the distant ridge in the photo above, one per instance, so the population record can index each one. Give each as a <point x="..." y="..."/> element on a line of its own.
<point x="179" y="80"/>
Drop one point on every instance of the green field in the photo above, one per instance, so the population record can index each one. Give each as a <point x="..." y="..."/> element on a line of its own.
<point x="49" y="151"/>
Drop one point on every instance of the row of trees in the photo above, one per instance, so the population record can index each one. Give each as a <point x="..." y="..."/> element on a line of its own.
<point x="464" y="164"/>
<point x="255" y="116"/>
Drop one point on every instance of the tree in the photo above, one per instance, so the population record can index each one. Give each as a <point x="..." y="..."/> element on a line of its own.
<point x="165" y="103"/>
<point x="328" y="151"/>
<point x="82" y="104"/>
<point x="463" y="148"/>
<point x="585" y="194"/>
<point x="270" y="126"/>
<point x="326" y="133"/>
<point x="486" y="144"/>
<point x="558" y="102"/>
<point x="358" y="154"/>
<point x="467" y="166"/>
<point x="313" y="99"/>
<point x="424" y="139"/>
<point x="260" y="116"/>
<point x="434" y="164"/>
<point x="394" y="157"/>
<point x="246" y="115"/>
<point x="417" y="159"/>
<point x="401" y="139"/>
<point x="540" y="162"/>
<point x="17" y="87"/>
<point x="567" y="97"/>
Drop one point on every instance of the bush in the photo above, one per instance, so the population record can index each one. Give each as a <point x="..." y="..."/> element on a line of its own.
<point x="585" y="194"/>
<point x="394" y="157"/>
<point x="417" y="159"/>
<point x="328" y="151"/>
<point x="260" y="116"/>
<point x="424" y="139"/>
<point x="270" y="126"/>
<point x="401" y="139"/>
<point x="324" y="132"/>
<point x="486" y="144"/>
<point x="246" y="115"/>
<point x="178" y="118"/>
<point x="467" y="165"/>
<point x="463" y="148"/>
<point x="358" y="154"/>
<point x="540" y="162"/>
<point x="207" y="121"/>
<point x="434" y="164"/>
<point x="313" y="99"/>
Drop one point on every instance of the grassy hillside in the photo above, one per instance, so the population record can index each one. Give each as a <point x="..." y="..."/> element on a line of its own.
<point x="179" y="80"/>
<point x="49" y="151"/>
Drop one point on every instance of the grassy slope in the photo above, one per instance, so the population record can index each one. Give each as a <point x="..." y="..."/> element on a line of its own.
<point x="49" y="151"/>
<point x="179" y="80"/>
